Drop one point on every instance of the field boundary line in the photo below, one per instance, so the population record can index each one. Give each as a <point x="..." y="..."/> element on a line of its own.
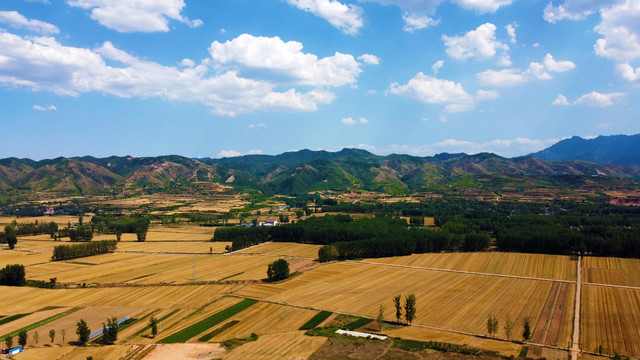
<point x="416" y="325"/>
<point x="465" y="272"/>
<point x="575" y="341"/>
<point x="613" y="286"/>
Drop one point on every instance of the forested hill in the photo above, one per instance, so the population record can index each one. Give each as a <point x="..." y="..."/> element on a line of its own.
<point x="616" y="149"/>
<point x="303" y="171"/>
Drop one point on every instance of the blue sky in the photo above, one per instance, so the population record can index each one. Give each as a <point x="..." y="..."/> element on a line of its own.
<point x="229" y="77"/>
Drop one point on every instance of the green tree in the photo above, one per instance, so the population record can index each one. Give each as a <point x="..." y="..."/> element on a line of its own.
<point x="141" y="232"/>
<point x="63" y="333"/>
<point x="13" y="275"/>
<point x="36" y="337"/>
<point x="278" y="270"/>
<point x="398" y="306"/>
<point x="10" y="236"/>
<point x="380" y="318"/>
<point x="508" y="327"/>
<point x="153" y="324"/>
<point x="110" y="331"/>
<point x="410" y="308"/>
<point x="52" y="335"/>
<point x="492" y="325"/>
<point x="327" y="253"/>
<point x="9" y="342"/>
<point x="83" y="332"/>
<point x="526" y="329"/>
<point x="22" y="338"/>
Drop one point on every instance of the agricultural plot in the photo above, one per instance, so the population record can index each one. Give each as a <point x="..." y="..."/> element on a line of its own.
<point x="611" y="271"/>
<point x="265" y="318"/>
<point x="291" y="345"/>
<point x="611" y="319"/>
<point x="158" y="269"/>
<point x="451" y="301"/>
<point x="517" y="264"/>
<point x="61" y="220"/>
<point x="284" y="249"/>
<point x="178" y="247"/>
<point x="8" y="257"/>
<point x="75" y="353"/>
<point x="29" y="319"/>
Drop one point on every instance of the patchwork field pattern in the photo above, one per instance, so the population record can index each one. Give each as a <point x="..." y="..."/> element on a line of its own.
<point x="611" y="319"/>
<point x="517" y="264"/>
<point x="612" y="271"/>
<point x="284" y="249"/>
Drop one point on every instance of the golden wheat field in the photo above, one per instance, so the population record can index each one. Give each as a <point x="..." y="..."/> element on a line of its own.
<point x="612" y="271"/>
<point x="264" y="318"/>
<point x="289" y="345"/>
<point x="284" y="249"/>
<point x="454" y="301"/>
<point x="517" y="264"/>
<point x="611" y="319"/>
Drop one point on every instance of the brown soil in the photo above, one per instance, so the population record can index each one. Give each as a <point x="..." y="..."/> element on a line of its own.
<point x="550" y="322"/>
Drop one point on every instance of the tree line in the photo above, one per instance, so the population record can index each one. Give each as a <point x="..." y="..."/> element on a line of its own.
<point x="66" y="252"/>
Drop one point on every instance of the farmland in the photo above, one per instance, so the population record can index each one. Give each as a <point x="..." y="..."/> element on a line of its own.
<point x="182" y="279"/>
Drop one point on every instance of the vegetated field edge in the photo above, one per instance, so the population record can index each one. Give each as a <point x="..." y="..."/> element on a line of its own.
<point x="316" y="320"/>
<point x="213" y="320"/>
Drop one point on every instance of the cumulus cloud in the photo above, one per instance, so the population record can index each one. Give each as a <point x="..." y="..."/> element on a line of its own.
<point x="279" y="59"/>
<point x="574" y="9"/>
<point x="18" y="21"/>
<point x="511" y="31"/>
<point x="437" y="66"/>
<point x="45" y="108"/>
<point x="43" y="64"/>
<point x="347" y="18"/>
<point x="431" y="90"/>
<point x="592" y="99"/>
<point x="620" y="29"/>
<point x="480" y="43"/>
<point x="228" y="153"/>
<point x="413" y="22"/>
<point x="352" y="121"/>
<point x="535" y="71"/>
<point x="135" y="15"/>
<point x="369" y="59"/>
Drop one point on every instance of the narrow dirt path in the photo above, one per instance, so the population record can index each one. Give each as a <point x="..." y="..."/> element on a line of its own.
<point x="575" y="347"/>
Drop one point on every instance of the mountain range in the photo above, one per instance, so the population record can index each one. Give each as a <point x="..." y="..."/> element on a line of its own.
<point x="303" y="171"/>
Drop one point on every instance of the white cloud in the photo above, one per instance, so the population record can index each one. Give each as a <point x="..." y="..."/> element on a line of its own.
<point x="575" y="9"/>
<point x="187" y="63"/>
<point x="255" y="152"/>
<point x="557" y="66"/>
<point x="369" y="59"/>
<point x="511" y="31"/>
<point x="561" y="100"/>
<point x="18" y="21"/>
<point x="352" y="121"/>
<point x="285" y="60"/>
<point x="480" y="43"/>
<point x="483" y="6"/>
<point x="620" y="29"/>
<point x="437" y="66"/>
<point x="592" y="99"/>
<point x="228" y="153"/>
<point x="43" y="64"/>
<point x="431" y="90"/>
<point x="415" y="21"/>
<point x="260" y="125"/>
<point x="347" y="18"/>
<point x="535" y="71"/>
<point x="45" y="108"/>
<point x="135" y="15"/>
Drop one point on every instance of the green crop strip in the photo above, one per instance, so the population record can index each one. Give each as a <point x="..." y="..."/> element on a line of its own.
<point x="316" y="320"/>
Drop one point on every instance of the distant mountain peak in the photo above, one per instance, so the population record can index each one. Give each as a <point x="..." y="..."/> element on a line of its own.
<point x="615" y="149"/>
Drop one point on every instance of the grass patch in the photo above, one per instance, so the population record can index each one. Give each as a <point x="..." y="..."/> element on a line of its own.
<point x="217" y="331"/>
<point x="213" y="320"/>
<point x="230" y="276"/>
<point x="39" y="323"/>
<point x="417" y="346"/>
<point x="357" y="324"/>
<point x="523" y="352"/>
<point x="234" y="343"/>
<point x="316" y="320"/>
<point x="9" y="319"/>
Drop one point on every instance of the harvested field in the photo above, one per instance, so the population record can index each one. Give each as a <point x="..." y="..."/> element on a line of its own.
<point x="291" y="345"/>
<point x="455" y="301"/>
<point x="518" y="264"/>
<point x="612" y="271"/>
<point x="185" y="352"/>
<point x="265" y="318"/>
<point x="180" y="247"/>
<point x="75" y="353"/>
<point x="158" y="268"/>
<point x="8" y="257"/>
<point x="32" y="318"/>
<point x="611" y="318"/>
<point x="555" y="322"/>
<point x="61" y="220"/>
<point x="285" y="249"/>
<point x="422" y="334"/>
